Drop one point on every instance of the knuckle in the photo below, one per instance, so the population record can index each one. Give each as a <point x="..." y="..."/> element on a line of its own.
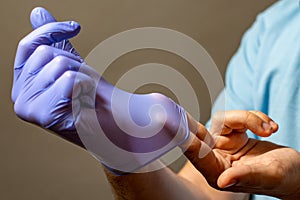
<point x="23" y="43"/>
<point x="258" y="112"/>
<point x="248" y="116"/>
<point x="70" y="75"/>
<point x="159" y="96"/>
<point x="43" y="118"/>
<point x="45" y="52"/>
<point x="260" y="115"/>
<point x="67" y="81"/>
<point x="18" y="109"/>
<point x="31" y="112"/>
<point x="254" y="111"/>
<point x="37" y="116"/>
<point x="43" y="49"/>
<point x="61" y="60"/>
<point x="23" y="111"/>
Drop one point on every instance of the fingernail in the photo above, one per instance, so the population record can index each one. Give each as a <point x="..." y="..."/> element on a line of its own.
<point x="273" y="124"/>
<point x="266" y="126"/>
<point x="231" y="183"/>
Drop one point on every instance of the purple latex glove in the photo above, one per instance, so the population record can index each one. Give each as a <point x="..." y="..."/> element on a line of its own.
<point x="56" y="90"/>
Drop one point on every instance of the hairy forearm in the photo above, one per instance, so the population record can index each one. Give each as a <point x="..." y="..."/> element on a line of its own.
<point x="165" y="184"/>
<point x="160" y="184"/>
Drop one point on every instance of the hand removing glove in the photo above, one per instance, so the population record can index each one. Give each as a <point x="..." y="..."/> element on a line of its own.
<point x="56" y="90"/>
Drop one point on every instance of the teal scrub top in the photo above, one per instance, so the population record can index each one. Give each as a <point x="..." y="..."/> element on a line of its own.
<point x="264" y="74"/>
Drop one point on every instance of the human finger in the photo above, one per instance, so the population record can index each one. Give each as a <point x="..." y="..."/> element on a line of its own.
<point x="273" y="125"/>
<point x="249" y="179"/>
<point x="240" y="120"/>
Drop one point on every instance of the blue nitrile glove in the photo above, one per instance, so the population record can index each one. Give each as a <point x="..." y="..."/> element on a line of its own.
<point x="39" y="17"/>
<point x="32" y="55"/>
<point x="56" y="90"/>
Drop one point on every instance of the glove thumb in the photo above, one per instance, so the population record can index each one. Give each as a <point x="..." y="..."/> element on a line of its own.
<point x="40" y="16"/>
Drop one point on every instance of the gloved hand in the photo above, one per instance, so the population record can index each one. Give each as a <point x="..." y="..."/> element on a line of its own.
<point x="37" y="65"/>
<point x="56" y="90"/>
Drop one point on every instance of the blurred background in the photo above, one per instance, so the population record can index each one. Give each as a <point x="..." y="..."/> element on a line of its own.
<point x="38" y="165"/>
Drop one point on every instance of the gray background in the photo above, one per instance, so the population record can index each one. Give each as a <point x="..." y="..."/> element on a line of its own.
<point x="38" y="165"/>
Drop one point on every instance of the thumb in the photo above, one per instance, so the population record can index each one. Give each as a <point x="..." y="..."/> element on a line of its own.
<point x="233" y="176"/>
<point x="246" y="177"/>
<point x="40" y="16"/>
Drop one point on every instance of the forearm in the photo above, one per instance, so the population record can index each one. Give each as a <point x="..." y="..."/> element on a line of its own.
<point x="198" y="182"/>
<point x="160" y="184"/>
<point x="165" y="184"/>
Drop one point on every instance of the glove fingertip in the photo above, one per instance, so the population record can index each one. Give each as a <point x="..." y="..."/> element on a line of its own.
<point x="40" y="16"/>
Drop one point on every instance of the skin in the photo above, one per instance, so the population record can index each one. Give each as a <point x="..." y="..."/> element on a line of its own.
<point x="236" y="163"/>
<point x="225" y="156"/>
<point x="165" y="184"/>
<point x="247" y="165"/>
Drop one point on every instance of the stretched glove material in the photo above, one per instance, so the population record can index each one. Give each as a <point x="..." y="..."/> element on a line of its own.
<point x="56" y="90"/>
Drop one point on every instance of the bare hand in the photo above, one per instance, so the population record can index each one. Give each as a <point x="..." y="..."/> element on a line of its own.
<point x="239" y="164"/>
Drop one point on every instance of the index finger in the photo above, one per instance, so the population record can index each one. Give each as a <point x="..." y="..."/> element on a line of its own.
<point x="40" y="16"/>
<point x="240" y="120"/>
<point x="45" y="35"/>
